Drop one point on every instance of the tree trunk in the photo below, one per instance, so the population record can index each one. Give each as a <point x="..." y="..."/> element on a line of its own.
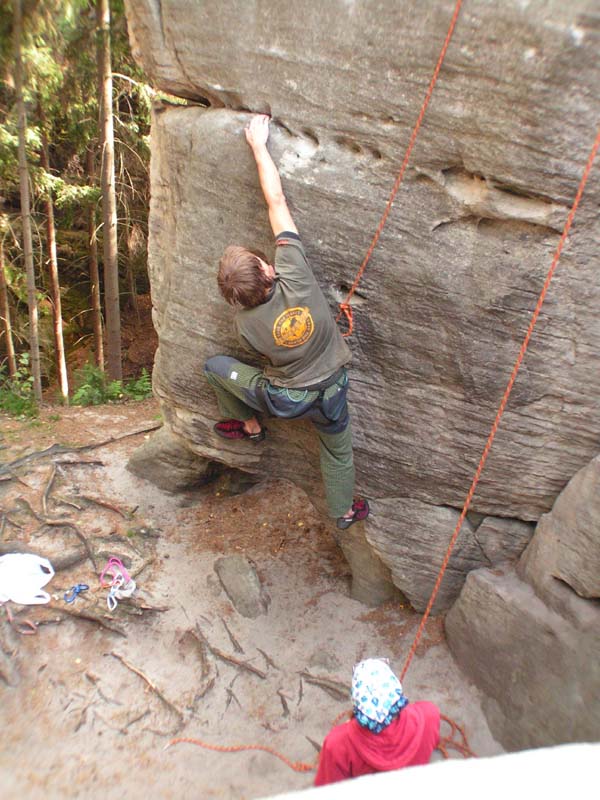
<point x="133" y="299"/>
<point x="59" y="344"/>
<point x="34" y="345"/>
<point x="109" y="202"/>
<point x="94" y="274"/>
<point x="5" y="312"/>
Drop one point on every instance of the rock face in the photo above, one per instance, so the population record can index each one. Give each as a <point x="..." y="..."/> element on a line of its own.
<point x="448" y="294"/>
<point x="529" y="636"/>
<point x="168" y="463"/>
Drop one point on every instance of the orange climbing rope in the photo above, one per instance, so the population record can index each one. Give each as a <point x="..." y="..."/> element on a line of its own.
<point x="447" y="742"/>
<point x="345" y="307"/>
<point x="297" y="766"/>
<point x="503" y="402"/>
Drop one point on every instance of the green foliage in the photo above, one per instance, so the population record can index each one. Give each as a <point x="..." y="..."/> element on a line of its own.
<point x="139" y="388"/>
<point x="93" y="387"/>
<point x="69" y="194"/>
<point x="16" y="394"/>
<point x="61" y="97"/>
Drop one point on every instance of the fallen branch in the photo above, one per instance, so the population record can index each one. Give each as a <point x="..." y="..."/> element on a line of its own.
<point x="78" y="463"/>
<point x="95" y="680"/>
<point x="28" y="507"/>
<point x="202" y="647"/>
<point x="268" y="659"/>
<point x="63" y="501"/>
<point x="109" y="626"/>
<point x="105" y="504"/>
<point x="236" y="645"/>
<point x="284" y="698"/>
<point x="335" y="689"/>
<point x="58" y="449"/>
<point x="226" y="657"/>
<point x="237" y="663"/>
<point x="125" y="728"/>
<point x="11" y="477"/>
<point x="82" y="718"/>
<point x="142" y="567"/>
<point x="231" y="695"/>
<point x="65" y="523"/>
<point x="316" y="745"/>
<point x="173" y="708"/>
<point x="144" y="607"/>
<point x="11" y="521"/>
<point x="47" y="490"/>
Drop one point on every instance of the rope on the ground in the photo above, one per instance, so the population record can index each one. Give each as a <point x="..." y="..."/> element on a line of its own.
<point x="445" y="744"/>
<point x="345" y="307"/>
<point x="448" y="743"/>
<point x="503" y="402"/>
<point x="297" y="766"/>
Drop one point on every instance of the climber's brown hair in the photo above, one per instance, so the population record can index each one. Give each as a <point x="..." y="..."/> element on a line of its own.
<point x="241" y="280"/>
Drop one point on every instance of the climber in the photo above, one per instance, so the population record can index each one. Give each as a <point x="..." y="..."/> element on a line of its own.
<point x="282" y="314"/>
<point x="385" y="732"/>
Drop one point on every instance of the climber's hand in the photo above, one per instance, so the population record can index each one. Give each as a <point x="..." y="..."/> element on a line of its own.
<point x="257" y="131"/>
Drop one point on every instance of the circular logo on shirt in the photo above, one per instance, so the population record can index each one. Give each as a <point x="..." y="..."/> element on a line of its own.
<point x="293" y="327"/>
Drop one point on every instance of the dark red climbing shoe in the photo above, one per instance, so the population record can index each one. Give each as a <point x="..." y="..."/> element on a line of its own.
<point x="234" y="429"/>
<point x="360" y="511"/>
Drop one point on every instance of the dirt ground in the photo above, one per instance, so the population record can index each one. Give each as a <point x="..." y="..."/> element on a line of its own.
<point x="88" y="703"/>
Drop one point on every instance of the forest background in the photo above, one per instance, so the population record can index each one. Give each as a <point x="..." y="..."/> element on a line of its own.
<point x="74" y="191"/>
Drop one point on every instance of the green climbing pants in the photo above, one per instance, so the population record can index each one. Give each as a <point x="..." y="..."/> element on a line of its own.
<point x="242" y="390"/>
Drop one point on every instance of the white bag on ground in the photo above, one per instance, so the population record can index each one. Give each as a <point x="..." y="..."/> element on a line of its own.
<point x="22" y="576"/>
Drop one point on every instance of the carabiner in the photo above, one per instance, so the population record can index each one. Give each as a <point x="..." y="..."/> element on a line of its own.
<point x="71" y="595"/>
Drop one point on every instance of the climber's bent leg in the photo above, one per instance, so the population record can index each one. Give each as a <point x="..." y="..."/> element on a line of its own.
<point x="238" y="387"/>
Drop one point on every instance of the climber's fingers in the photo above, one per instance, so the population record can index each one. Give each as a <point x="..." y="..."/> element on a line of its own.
<point x="257" y="130"/>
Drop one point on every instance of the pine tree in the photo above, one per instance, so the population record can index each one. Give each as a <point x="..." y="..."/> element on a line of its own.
<point x="34" y="346"/>
<point x="93" y="262"/>
<point x="59" y="344"/>
<point x="5" y="313"/>
<point x="109" y="202"/>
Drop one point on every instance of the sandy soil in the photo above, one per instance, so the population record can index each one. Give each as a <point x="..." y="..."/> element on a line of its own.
<point x="78" y="721"/>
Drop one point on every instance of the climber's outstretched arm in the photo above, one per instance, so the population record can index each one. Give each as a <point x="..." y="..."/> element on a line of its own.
<point x="257" y="134"/>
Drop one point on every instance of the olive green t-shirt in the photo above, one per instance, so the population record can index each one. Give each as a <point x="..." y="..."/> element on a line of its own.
<point x="294" y="327"/>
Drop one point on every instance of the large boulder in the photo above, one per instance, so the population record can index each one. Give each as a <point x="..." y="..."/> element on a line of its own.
<point x="567" y="544"/>
<point x="449" y="291"/>
<point x="531" y="642"/>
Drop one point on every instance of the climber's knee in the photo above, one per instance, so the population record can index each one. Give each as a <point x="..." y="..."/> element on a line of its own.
<point x="218" y="365"/>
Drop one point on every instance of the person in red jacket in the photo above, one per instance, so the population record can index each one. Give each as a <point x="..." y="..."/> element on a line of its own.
<point x="384" y="733"/>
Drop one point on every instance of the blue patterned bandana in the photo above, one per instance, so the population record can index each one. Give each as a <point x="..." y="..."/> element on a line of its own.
<point x="376" y="694"/>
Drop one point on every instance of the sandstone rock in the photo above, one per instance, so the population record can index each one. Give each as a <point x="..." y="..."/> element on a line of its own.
<point x="239" y="579"/>
<point x="528" y="639"/>
<point x="539" y="671"/>
<point x="566" y="545"/>
<point x="414" y="546"/>
<point x="502" y="539"/>
<point x="372" y="582"/>
<point x="448" y="295"/>
<point x="165" y="461"/>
